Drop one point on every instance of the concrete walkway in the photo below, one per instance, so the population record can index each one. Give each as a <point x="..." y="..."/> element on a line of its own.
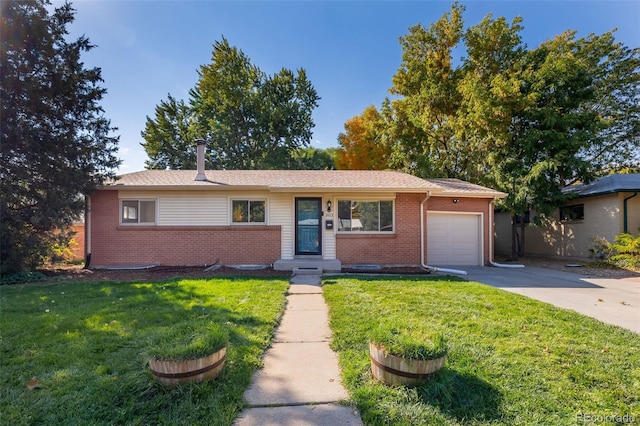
<point x="300" y="382"/>
<point x="610" y="300"/>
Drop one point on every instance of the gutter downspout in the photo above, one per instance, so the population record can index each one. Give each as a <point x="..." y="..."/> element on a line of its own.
<point x="491" y="237"/>
<point x="87" y="232"/>
<point x="624" y="210"/>
<point x="425" y="266"/>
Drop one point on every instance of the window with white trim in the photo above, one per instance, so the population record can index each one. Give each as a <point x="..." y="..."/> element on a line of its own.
<point x="141" y="212"/>
<point x="365" y="216"/>
<point x="248" y="211"/>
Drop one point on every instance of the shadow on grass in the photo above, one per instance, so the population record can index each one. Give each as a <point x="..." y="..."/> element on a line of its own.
<point x="87" y="345"/>
<point x="461" y="396"/>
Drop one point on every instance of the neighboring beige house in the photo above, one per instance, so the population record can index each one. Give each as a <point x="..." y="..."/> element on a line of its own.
<point x="602" y="209"/>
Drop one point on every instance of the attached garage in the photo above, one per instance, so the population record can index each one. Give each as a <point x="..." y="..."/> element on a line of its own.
<point x="454" y="238"/>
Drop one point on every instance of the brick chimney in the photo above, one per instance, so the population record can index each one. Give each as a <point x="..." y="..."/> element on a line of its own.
<point x="201" y="145"/>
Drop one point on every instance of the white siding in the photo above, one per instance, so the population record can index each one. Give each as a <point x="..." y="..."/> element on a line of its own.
<point x="196" y="208"/>
<point x="192" y="211"/>
<point x="454" y="239"/>
<point x="329" y="235"/>
<point x="281" y="213"/>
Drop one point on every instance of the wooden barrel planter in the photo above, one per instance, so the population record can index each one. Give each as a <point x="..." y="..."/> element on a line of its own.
<point x="172" y="372"/>
<point x="397" y="371"/>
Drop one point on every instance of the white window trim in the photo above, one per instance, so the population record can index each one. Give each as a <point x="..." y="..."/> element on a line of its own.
<point x="266" y="211"/>
<point x="121" y="200"/>
<point x="370" y="200"/>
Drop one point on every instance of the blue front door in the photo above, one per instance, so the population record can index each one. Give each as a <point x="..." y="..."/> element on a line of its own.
<point x="308" y="226"/>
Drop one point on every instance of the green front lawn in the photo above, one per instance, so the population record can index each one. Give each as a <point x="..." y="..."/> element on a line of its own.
<point x="512" y="360"/>
<point x="77" y="353"/>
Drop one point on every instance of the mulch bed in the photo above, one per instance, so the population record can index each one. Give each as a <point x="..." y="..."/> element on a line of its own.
<point x="160" y="273"/>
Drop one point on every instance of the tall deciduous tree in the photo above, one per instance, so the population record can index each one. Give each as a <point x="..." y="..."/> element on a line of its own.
<point x="525" y="121"/>
<point x="551" y="130"/>
<point x="427" y="83"/>
<point x="55" y="143"/>
<point x="250" y="120"/>
<point x="365" y="143"/>
<point x="314" y="159"/>
<point x="615" y="70"/>
<point x="170" y="137"/>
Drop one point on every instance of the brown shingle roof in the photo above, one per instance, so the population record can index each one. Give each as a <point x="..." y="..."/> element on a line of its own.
<point x="457" y="187"/>
<point x="291" y="180"/>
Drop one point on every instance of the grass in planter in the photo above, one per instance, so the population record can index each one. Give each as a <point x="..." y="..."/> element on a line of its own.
<point x="184" y="341"/>
<point x="510" y="361"/>
<point x="408" y="339"/>
<point x="77" y="353"/>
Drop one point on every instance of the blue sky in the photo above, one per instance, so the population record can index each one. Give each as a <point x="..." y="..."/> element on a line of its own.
<point x="350" y="49"/>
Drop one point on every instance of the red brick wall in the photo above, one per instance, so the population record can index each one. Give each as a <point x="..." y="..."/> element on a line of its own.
<point x="77" y="245"/>
<point x="400" y="248"/>
<point x="403" y="247"/>
<point x="113" y="244"/>
<point x="481" y="205"/>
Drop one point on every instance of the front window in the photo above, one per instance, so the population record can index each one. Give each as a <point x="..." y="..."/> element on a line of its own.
<point x="138" y="212"/>
<point x="365" y="216"/>
<point x="571" y="213"/>
<point x="248" y="211"/>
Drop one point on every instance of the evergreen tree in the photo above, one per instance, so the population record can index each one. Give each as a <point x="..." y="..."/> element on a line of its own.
<point x="55" y="143"/>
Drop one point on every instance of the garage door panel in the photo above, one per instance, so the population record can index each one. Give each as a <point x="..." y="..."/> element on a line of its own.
<point x="453" y="239"/>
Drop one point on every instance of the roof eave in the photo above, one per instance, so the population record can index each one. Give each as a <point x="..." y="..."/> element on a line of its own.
<point x="217" y="187"/>
<point x="349" y="189"/>
<point x="470" y="194"/>
<point x="606" y="192"/>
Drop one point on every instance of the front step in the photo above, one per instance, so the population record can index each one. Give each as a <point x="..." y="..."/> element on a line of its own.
<point x="323" y="265"/>
<point x="307" y="270"/>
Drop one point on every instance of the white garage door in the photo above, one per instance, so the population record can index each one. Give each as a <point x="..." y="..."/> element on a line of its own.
<point x="453" y="239"/>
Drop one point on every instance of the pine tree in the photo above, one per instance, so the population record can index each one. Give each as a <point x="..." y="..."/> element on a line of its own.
<point x="56" y="144"/>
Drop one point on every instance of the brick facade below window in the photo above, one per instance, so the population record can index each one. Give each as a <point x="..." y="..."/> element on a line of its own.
<point x="399" y="248"/>
<point x="113" y="244"/>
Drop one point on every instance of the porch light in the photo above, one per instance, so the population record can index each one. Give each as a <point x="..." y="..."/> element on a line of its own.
<point x="456" y="201"/>
<point x="328" y="205"/>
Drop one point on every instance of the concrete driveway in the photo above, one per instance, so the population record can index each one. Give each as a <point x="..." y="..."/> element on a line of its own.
<point x="610" y="300"/>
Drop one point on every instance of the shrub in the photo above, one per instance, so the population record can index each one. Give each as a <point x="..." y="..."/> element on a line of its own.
<point x="23" y="278"/>
<point x="63" y="251"/>
<point x="624" y="252"/>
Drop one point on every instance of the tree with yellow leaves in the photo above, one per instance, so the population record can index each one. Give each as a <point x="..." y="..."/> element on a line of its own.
<point x="365" y="144"/>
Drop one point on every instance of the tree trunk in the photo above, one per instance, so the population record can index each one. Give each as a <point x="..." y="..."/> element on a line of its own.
<point x="517" y="239"/>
